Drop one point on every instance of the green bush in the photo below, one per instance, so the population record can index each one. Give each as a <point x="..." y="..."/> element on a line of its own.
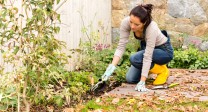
<point x="67" y="88"/>
<point x="98" y="61"/>
<point x="190" y="58"/>
<point x="30" y="46"/>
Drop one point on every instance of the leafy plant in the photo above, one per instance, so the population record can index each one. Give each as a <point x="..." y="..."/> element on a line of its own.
<point x="104" y="56"/>
<point x="190" y="58"/>
<point x="31" y="49"/>
<point x="91" y="43"/>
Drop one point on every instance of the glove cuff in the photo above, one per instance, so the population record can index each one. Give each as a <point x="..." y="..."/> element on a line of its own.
<point x="110" y="70"/>
<point x="112" y="67"/>
<point x="141" y="83"/>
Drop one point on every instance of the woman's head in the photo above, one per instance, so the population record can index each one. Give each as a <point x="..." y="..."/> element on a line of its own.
<point x="140" y="17"/>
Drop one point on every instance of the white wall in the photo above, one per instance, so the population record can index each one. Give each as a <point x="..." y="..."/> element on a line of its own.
<point x="94" y="11"/>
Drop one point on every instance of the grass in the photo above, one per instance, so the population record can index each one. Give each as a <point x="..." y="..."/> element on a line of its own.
<point x="136" y="105"/>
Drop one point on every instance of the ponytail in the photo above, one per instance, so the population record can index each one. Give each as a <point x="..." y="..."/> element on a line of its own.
<point x="148" y="8"/>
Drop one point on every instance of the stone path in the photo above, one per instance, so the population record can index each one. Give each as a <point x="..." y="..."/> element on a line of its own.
<point x="193" y="84"/>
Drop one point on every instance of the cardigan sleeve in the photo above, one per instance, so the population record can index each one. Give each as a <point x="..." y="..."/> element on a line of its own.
<point x="151" y="35"/>
<point x="124" y="37"/>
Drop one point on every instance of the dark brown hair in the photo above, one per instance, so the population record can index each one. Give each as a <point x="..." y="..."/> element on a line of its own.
<point x="144" y="13"/>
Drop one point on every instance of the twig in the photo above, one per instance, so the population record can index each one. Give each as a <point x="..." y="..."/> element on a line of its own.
<point x="60" y="5"/>
<point x="18" y="100"/>
<point x="85" y="27"/>
<point x="24" y="95"/>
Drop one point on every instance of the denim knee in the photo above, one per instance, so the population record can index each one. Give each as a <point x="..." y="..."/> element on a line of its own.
<point x="131" y="59"/>
<point x="133" y="75"/>
<point x="131" y="79"/>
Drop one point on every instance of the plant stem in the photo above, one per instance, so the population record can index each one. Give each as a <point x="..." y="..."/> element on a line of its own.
<point x="60" y="5"/>
<point x="86" y="31"/>
<point x="25" y="96"/>
<point x="18" y="100"/>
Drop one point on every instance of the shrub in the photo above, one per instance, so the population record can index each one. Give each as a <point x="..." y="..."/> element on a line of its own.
<point x="98" y="61"/>
<point x="31" y="48"/>
<point x="190" y="58"/>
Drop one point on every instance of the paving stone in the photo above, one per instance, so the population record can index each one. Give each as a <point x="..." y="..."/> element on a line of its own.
<point x="203" y="98"/>
<point x="190" y="83"/>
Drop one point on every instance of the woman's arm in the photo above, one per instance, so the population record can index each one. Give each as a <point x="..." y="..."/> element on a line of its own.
<point x="151" y="34"/>
<point x="143" y="78"/>
<point x="115" y="60"/>
<point x="124" y="37"/>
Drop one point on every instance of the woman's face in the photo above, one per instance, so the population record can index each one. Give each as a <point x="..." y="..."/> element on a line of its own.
<point x="135" y="24"/>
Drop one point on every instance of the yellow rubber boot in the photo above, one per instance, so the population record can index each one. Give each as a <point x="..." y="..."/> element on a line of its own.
<point x="162" y="74"/>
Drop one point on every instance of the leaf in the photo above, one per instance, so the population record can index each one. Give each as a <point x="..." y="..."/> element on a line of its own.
<point x="50" y="109"/>
<point x="36" y="100"/>
<point x="3" y="107"/>
<point x="16" y="50"/>
<point x="115" y="100"/>
<point x="21" y="15"/>
<point x="196" y="107"/>
<point x="92" y="81"/>
<point x="68" y="110"/>
<point x="97" y="100"/>
<point x="131" y="101"/>
<point x="98" y="110"/>
<point x="56" y="29"/>
<point x="57" y="1"/>
<point x="2" y="51"/>
<point x="140" y="104"/>
<point x="59" y="101"/>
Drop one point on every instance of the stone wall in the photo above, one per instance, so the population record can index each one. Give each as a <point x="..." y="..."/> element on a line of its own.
<point x="179" y="17"/>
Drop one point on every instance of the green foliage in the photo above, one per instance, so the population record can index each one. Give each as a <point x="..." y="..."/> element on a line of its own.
<point x="91" y="43"/>
<point x="190" y="58"/>
<point x="100" y="59"/>
<point x="30" y="47"/>
<point x="64" y="89"/>
<point x="38" y="75"/>
<point x="92" y="105"/>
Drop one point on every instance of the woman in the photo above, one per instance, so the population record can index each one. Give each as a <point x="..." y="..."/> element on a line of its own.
<point x="155" y="48"/>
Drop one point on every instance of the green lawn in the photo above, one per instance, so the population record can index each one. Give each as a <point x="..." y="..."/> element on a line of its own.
<point x="129" y="104"/>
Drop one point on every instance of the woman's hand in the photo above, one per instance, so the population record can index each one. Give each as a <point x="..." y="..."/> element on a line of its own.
<point x="141" y="87"/>
<point x="108" y="72"/>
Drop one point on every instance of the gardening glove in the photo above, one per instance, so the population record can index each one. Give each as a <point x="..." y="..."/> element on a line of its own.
<point x="141" y="87"/>
<point x="108" y="72"/>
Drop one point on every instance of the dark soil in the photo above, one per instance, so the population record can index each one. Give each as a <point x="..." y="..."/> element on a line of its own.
<point x="108" y="86"/>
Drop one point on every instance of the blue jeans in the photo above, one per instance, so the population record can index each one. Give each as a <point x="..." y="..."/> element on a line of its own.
<point x="161" y="55"/>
